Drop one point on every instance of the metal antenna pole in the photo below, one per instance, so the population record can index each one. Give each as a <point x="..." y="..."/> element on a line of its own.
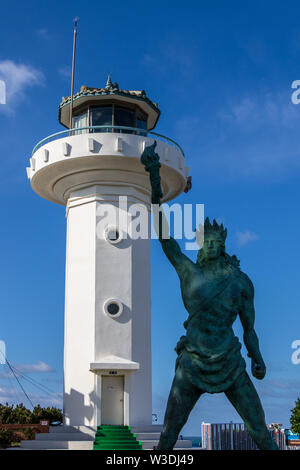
<point x="73" y="70"/>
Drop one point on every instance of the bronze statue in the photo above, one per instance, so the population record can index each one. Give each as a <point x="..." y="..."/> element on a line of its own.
<point x="214" y="291"/>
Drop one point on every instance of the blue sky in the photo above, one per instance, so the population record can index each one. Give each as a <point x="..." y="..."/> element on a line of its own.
<point x="222" y="75"/>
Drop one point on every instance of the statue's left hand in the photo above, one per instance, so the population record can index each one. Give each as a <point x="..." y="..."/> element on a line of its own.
<point x="258" y="369"/>
<point x="151" y="162"/>
<point x="150" y="159"/>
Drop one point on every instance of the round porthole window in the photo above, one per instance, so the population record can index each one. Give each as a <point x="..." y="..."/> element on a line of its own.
<point x="113" y="308"/>
<point x="112" y="235"/>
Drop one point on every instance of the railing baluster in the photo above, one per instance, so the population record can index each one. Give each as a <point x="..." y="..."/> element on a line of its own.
<point x="106" y="128"/>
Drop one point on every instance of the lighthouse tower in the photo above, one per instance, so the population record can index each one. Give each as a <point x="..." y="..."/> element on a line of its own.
<point x="90" y="169"/>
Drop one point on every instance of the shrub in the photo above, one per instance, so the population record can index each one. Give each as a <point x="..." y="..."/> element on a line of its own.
<point x="29" y="433"/>
<point x="6" y="437"/>
<point x="17" y="437"/>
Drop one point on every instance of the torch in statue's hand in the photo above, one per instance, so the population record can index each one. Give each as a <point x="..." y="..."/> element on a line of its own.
<point x="151" y="162"/>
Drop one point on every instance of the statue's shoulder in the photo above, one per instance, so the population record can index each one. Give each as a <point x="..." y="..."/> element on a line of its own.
<point x="241" y="283"/>
<point x="232" y="266"/>
<point x="246" y="284"/>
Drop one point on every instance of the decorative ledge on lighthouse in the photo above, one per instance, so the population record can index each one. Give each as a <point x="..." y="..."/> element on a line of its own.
<point x="114" y="362"/>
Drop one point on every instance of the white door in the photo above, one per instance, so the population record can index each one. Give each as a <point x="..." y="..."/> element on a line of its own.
<point x="112" y="400"/>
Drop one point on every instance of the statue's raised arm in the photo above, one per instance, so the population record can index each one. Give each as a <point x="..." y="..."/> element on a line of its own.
<point x="150" y="160"/>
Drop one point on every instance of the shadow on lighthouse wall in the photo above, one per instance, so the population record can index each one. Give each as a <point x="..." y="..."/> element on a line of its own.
<point x="126" y="315"/>
<point x="78" y="412"/>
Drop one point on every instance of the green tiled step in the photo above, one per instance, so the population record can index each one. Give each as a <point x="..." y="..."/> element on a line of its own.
<point x="117" y="445"/>
<point x="113" y="433"/>
<point x="117" y="448"/>
<point x="117" y="441"/>
<point x="107" y="445"/>
<point x="117" y="426"/>
<point x="116" y="438"/>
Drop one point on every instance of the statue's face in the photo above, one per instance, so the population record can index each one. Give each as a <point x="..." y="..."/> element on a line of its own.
<point x="213" y="247"/>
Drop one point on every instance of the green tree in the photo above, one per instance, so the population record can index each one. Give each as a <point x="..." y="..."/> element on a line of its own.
<point x="19" y="414"/>
<point x="10" y="414"/>
<point x="50" y="414"/>
<point x="5" y="413"/>
<point x="295" y="418"/>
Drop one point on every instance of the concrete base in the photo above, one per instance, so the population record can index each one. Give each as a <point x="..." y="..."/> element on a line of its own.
<point x="149" y="436"/>
<point x="82" y="438"/>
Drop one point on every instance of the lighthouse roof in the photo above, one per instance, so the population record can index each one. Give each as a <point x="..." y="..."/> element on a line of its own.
<point x="92" y="95"/>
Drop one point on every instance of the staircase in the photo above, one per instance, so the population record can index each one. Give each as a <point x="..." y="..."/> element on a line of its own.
<point x="62" y="438"/>
<point x="83" y="438"/>
<point x="116" y="438"/>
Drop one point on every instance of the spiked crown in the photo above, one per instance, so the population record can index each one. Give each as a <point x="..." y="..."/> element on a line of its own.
<point x="215" y="228"/>
<point x="209" y="229"/>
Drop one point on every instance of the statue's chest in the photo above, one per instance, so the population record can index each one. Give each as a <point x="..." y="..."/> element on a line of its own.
<point x="198" y="285"/>
<point x="203" y="291"/>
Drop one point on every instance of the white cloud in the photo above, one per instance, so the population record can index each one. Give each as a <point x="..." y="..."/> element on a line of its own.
<point x="280" y="388"/>
<point x="244" y="110"/>
<point x="262" y="109"/>
<point x="253" y="138"/>
<point x="245" y="237"/>
<point x="17" y="78"/>
<point x="65" y="72"/>
<point x="40" y="366"/>
<point x="8" y="392"/>
<point x="12" y="395"/>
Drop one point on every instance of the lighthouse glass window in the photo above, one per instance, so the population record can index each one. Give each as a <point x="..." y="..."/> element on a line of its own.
<point x="101" y="116"/>
<point x="79" y="122"/>
<point x="141" y="124"/>
<point x="124" y="117"/>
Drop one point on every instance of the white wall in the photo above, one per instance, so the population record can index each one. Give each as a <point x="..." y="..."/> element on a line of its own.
<point x="97" y="271"/>
<point x="79" y="382"/>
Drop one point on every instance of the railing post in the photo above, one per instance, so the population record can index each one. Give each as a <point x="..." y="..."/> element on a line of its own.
<point x="136" y="131"/>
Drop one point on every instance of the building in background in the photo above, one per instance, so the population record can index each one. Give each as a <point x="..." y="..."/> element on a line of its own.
<point x="234" y="436"/>
<point x="226" y="436"/>
<point x="292" y="440"/>
<point x="278" y="434"/>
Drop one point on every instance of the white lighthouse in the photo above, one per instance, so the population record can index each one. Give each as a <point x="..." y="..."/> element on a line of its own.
<point x="107" y="350"/>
